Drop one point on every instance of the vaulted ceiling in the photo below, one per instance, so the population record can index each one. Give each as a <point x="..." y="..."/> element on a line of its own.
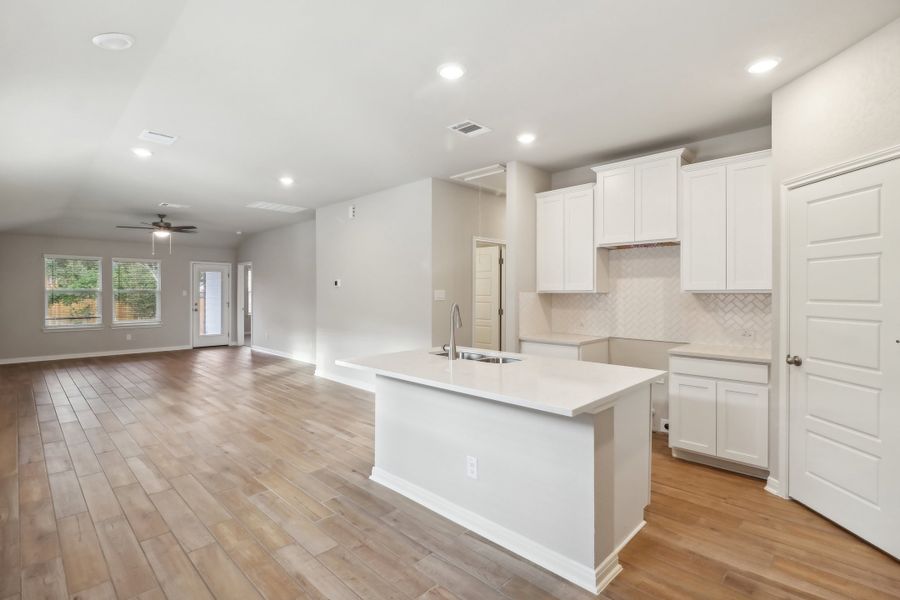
<point x="345" y="97"/>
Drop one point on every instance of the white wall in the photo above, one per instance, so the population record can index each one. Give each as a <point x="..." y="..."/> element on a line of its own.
<point x="22" y="296"/>
<point x="284" y="289"/>
<point x="459" y="213"/>
<point x="731" y="144"/>
<point x="383" y="258"/>
<point x="522" y="182"/>
<point x="842" y="109"/>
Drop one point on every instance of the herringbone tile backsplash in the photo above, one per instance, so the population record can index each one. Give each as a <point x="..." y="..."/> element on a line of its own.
<point x="646" y="302"/>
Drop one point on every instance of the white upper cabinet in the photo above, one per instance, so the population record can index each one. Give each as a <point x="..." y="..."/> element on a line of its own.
<point x="567" y="260"/>
<point x="614" y="206"/>
<point x="637" y="200"/>
<point x="727" y="225"/>
<point x="749" y="213"/>
<point x="703" y="230"/>
<point x="551" y="244"/>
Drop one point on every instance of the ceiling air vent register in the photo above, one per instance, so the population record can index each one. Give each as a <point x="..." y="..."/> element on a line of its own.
<point x="469" y="129"/>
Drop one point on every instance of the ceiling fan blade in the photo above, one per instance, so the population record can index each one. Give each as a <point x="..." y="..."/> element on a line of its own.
<point x="133" y="227"/>
<point x="184" y="230"/>
<point x="183" y="227"/>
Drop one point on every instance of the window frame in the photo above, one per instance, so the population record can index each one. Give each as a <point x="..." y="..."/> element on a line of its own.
<point x="81" y="327"/>
<point x="131" y="324"/>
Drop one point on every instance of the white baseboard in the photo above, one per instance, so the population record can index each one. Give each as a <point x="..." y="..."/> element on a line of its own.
<point x="360" y="385"/>
<point x="592" y="579"/>
<point x="720" y="463"/>
<point x="279" y="353"/>
<point x="773" y="486"/>
<point x="30" y="359"/>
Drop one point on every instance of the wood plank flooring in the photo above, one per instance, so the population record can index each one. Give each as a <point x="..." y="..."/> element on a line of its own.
<point x="221" y="473"/>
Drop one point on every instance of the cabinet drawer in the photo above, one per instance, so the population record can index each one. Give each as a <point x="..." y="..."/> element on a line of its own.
<point x="550" y="350"/>
<point x="720" y="369"/>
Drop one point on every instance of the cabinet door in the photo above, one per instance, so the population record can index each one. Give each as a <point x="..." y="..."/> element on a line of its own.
<point x="749" y="253"/>
<point x="579" y="241"/>
<point x="656" y="200"/>
<point x="551" y="226"/>
<point x="743" y="422"/>
<point x="692" y="413"/>
<point x="703" y="230"/>
<point x="614" y="208"/>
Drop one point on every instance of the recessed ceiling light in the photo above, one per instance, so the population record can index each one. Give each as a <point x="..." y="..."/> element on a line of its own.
<point x="451" y="71"/>
<point x="286" y="181"/>
<point x="763" y="65"/>
<point x="141" y="152"/>
<point x="113" y="41"/>
<point x="526" y="138"/>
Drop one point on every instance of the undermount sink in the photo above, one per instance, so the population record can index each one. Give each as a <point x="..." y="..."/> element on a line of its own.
<point x="497" y="360"/>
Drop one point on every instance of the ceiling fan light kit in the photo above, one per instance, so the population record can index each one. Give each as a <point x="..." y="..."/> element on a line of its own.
<point x="161" y="229"/>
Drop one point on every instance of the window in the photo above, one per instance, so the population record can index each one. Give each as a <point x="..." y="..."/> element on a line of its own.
<point x="136" y="286"/>
<point x="72" y="297"/>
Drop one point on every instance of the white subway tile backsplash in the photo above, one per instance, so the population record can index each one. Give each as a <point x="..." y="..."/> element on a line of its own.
<point x="646" y="302"/>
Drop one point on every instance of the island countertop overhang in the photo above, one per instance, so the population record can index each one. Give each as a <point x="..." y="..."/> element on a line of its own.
<point x="556" y="386"/>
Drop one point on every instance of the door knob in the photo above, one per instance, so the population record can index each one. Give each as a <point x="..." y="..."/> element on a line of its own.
<point x="793" y="360"/>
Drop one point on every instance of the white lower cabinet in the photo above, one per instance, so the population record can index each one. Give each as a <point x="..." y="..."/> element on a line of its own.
<point x="720" y="417"/>
<point x="742" y="422"/>
<point x="591" y="352"/>
<point x="692" y="413"/>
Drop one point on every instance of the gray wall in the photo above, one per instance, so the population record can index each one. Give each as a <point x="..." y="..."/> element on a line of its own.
<point x="459" y="213"/>
<point x="842" y="109"/>
<point x="383" y="258"/>
<point x="284" y="289"/>
<point x="522" y="182"/>
<point x="22" y="296"/>
<point x="731" y="144"/>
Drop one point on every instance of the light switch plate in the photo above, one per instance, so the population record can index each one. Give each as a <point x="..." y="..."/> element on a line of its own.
<point x="440" y="295"/>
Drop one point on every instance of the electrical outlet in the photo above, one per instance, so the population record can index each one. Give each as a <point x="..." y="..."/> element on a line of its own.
<point x="664" y="426"/>
<point x="472" y="467"/>
<point x="127" y="337"/>
<point x="336" y="283"/>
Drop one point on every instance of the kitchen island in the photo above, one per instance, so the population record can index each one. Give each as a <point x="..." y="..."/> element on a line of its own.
<point x="549" y="458"/>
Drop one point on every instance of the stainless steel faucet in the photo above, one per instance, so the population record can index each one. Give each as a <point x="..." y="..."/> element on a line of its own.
<point x="455" y="323"/>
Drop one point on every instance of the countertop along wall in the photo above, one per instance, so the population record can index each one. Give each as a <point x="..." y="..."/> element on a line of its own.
<point x="22" y="296"/>
<point x="284" y="289"/>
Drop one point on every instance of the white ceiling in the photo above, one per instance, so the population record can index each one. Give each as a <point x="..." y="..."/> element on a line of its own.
<point x="345" y="97"/>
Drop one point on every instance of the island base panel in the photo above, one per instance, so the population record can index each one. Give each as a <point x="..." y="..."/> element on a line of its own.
<point x="563" y="492"/>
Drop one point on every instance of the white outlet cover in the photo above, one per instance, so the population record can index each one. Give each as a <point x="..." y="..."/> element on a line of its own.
<point x="440" y="295"/>
<point x="472" y="467"/>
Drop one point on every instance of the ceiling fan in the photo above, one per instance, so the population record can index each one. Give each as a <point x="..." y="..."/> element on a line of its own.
<point x="161" y="229"/>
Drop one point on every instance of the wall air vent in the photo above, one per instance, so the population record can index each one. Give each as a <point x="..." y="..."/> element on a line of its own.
<point x="157" y="137"/>
<point x="285" y="208"/>
<point x="469" y="128"/>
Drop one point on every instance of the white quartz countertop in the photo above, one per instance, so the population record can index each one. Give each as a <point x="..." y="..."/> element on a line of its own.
<point x="552" y="385"/>
<point x="562" y="339"/>
<point x="741" y="353"/>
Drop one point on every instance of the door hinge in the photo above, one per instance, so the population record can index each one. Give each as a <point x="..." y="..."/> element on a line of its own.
<point x="501" y="260"/>
<point x="500" y="311"/>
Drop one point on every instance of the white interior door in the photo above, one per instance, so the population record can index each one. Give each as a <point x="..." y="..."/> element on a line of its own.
<point x="211" y="304"/>
<point x="845" y="327"/>
<point x="486" y="323"/>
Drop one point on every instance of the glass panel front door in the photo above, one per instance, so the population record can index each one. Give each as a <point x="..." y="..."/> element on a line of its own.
<point x="211" y="304"/>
